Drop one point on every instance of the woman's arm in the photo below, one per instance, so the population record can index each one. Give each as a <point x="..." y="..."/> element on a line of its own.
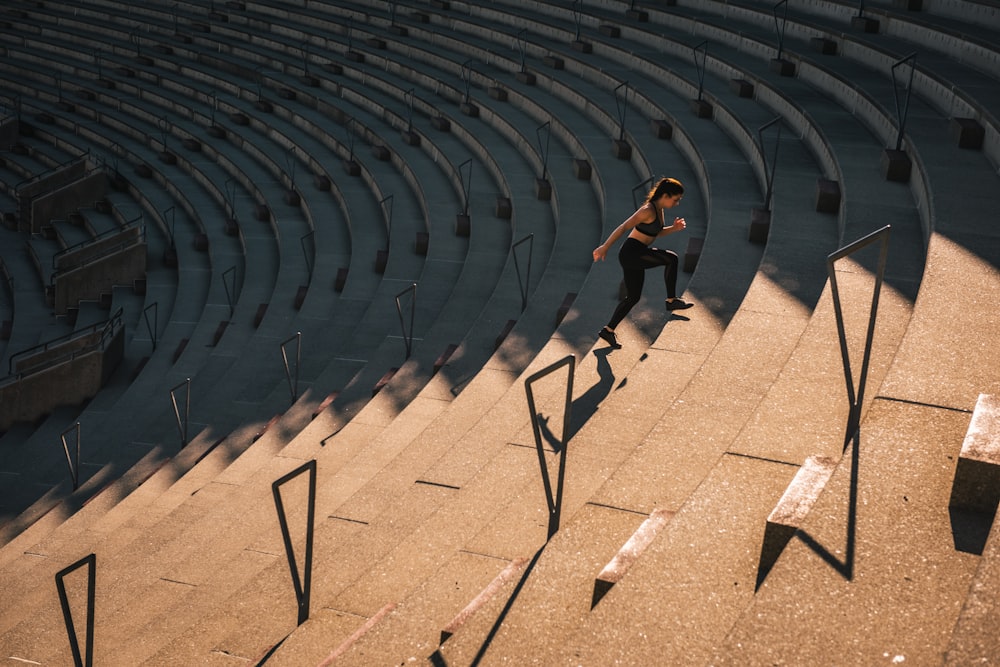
<point x="679" y="224"/>
<point x="642" y="214"/>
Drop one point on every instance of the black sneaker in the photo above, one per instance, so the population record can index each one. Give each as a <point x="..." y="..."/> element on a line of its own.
<point x="609" y="337"/>
<point x="678" y="304"/>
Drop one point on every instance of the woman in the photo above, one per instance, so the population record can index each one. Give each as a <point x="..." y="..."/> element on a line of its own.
<point x="643" y="227"/>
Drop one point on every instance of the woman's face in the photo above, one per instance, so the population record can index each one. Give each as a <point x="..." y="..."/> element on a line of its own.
<point x="669" y="201"/>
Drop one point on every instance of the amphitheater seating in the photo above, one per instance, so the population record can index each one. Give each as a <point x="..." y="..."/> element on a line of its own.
<point x="383" y="324"/>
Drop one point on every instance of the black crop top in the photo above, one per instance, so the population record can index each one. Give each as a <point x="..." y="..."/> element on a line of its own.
<point x="652" y="228"/>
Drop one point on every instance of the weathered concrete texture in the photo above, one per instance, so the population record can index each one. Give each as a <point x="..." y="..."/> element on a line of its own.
<point x="875" y="559"/>
<point x="682" y="596"/>
<point x="555" y="597"/>
<point x="948" y="355"/>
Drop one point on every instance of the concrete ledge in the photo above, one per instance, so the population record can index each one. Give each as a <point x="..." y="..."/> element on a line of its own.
<point x="661" y="129"/>
<point x="220" y="331"/>
<point x="792" y="508"/>
<point x="865" y="24"/>
<point x="760" y="225"/>
<point x="701" y="108"/>
<point x="358" y="634"/>
<point x="502" y="336"/>
<point x="827" y="196"/>
<point x="977" y="477"/>
<point x="443" y="358"/>
<point x="527" y="78"/>
<point x="782" y="67"/>
<point x="629" y="553"/>
<point x="823" y="45"/>
<point x="967" y="132"/>
<point x="621" y="149"/>
<point x="543" y="189"/>
<point x="421" y="243"/>
<point x="384" y="380"/>
<point x="300" y="296"/>
<point x="503" y="208"/>
<point x="512" y="570"/>
<point x="741" y="87"/>
<point x="564" y="307"/>
<point x="693" y="253"/>
<point x="555" y="62"/>
<point x="410" y="138"/>
<point x="896" y="165"/>
<point x="325" y="403"/>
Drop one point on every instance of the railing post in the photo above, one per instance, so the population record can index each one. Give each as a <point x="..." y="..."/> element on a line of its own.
<point x="230" y="294"/>
<point x="407" y="334"/>
<point x="182" y="423"/>
<point x="73" y="462"/>
<point x="779" y="26"/>
<point x="901" y="112"/>
<point x="87" y="658"/>
<point x="463" y="225"/>
<point x="700" y="66"/>
<point x="293" y="382"/>
<point x="769" y="170"/>
<point x="155" y="327"/>
<point x="553" y="498"/>
<point x="523" y="285"/>
<point x="855" y="397"/>
<point x="309" y="253"/>
<point x="621" y="104"/>
<point x="543" y="190"/>
<point x="302" y="583"/>
<point x="642" y="187"/>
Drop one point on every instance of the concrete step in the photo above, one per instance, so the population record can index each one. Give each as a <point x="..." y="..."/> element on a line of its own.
<point x="891" y="488"/>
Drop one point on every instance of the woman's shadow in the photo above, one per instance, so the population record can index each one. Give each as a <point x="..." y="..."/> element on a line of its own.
<point x="584" y="407"/>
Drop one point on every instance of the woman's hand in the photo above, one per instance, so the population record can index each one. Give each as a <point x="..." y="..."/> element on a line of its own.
<point x="600" y="252"/>
<point x="679" y="224"/>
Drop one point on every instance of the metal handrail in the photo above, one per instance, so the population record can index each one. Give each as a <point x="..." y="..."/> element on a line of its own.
<point x="703" y="47"/>
<point x="52" y="170"/>
<point x="407" y="336"/>
<point x="622" y="107"/>
<point x="293" y="381"/>
<point x="130" y="224"/>
<point x="182" y="424"/>
<point x="856" y="397"/>
<point x="107" y="327"/>
<point x="74" y="463"/>
<point x="523" y="285"/>
<point x="901" y="113"/>
<point x="769" y="173"/>
<point x="780" y="27"/>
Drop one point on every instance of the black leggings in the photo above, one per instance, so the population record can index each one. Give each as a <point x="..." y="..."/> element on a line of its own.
<point x="635" y="257"/>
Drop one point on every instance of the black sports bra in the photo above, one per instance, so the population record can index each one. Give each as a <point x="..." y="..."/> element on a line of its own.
<point x="652" y="228"/>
